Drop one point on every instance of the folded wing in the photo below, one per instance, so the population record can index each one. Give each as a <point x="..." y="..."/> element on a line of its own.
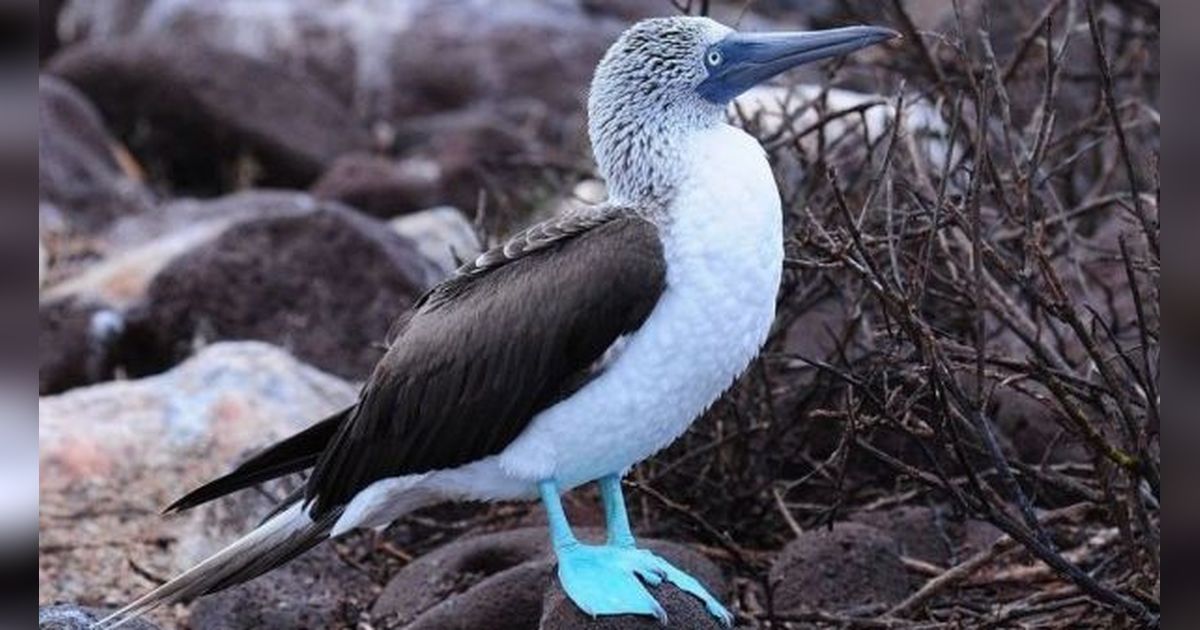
<point x="484" y="352"/>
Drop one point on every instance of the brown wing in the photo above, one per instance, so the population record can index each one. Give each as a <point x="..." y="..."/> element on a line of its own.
<point x="487" y="350"/>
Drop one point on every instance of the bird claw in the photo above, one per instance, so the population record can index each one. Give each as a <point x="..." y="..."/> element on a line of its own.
<point x="604" y="580"/>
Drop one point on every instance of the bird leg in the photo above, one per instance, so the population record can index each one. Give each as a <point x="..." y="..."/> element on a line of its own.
<point x="611" y="579"/>
<point x="616" y="520"/>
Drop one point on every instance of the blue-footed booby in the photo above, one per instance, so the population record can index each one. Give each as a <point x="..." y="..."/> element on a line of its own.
<point x="574" y="350"/>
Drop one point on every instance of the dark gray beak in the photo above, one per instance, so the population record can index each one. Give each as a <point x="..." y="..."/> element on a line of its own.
<point x="743" y="60"/>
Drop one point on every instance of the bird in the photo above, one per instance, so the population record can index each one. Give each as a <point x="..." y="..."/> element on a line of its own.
<point x="573" y="350"/>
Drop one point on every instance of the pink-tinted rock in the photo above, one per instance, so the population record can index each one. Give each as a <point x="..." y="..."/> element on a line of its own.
<point x="113" y="455"/>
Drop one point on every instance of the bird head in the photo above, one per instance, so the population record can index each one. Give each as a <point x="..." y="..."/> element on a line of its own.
<point x="664" y="75"/>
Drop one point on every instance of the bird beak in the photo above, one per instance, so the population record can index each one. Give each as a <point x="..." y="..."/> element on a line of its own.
<point x="747" y="59"/>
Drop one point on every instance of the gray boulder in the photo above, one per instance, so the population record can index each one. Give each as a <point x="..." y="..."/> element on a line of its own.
<point x="207" y="120"/>
<point x="79" y="173"/>
<point x="506" y="581"/>
<point x="316" y="590"/>
<point x="77" y="343"/>
<point x="71" y="617"/>
<point x="932" y="535"/>
<point x="315" y="277"/>
<point x="456" y="85"/>
<point x="851" y="565"/>
<point x="443" y="235"/>
<point x="381" y="186"/>
<point x="326" y="284"/>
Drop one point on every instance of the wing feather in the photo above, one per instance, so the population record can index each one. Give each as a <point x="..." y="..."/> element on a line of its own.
<point x="487" y="350"/>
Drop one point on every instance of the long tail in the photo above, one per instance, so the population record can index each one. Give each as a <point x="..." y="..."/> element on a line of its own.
<point x="280" y="538"/>
<point x="298" y="452"/>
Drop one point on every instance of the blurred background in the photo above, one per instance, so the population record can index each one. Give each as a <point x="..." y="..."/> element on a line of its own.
<point x="956" y="422"/>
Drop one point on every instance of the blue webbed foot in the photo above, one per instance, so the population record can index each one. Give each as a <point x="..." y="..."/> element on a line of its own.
<point x="608" y="580"/>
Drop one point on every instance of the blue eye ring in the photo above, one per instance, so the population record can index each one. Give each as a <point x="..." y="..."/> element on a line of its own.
<point x="714" y="57"/>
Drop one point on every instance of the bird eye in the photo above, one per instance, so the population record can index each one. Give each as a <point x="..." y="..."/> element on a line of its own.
<point x="714" y="58"/>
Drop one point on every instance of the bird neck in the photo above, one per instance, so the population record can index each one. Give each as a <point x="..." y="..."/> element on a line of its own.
<point x="642" y="155"/>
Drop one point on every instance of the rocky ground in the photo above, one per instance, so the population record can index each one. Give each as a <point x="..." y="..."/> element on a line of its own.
<point x="238" y="197"/>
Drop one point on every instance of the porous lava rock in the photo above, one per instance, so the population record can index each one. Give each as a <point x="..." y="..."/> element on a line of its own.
<point x="505" y="581"/>
<point x="851" y="565"/>
<point x="206" y="120"/>
<point x="326" y="285"/>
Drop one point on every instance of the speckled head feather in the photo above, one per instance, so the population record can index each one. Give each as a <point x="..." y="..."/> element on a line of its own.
<point x="643" y="102"/>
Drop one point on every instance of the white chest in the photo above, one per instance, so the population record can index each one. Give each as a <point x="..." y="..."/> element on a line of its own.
<point x="724" y="252"/>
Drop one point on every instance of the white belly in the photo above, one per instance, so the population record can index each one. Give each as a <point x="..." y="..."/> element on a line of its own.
<point x="724" y="252"/>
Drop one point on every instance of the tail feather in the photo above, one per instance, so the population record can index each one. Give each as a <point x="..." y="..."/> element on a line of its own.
<point x="279" y="539"/>
<point x="296" y="453"/>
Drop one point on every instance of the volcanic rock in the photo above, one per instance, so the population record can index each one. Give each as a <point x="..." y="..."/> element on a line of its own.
<point x="79" y="173"/>
<point x="505" y="581"/>
<point x="381" y="186"/>
<point x="71" y="617"/>
<point x="325" y="284"/>
<point x="316" y="590"/>
<point x="932" y="535"/>
<point x="206" y="120"/>
<point x="848" y="566"/>
<point x="684" y="612"/>
<point x="77" y="343"/>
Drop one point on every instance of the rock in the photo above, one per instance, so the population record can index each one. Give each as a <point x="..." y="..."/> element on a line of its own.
<point x="388" y="59"/>
<point x="179" y="274"/>
<point x="43" y="263"/>
<point x="180" y="215"/>
<point x="210" y="120"/>
<point x="71" y="617"/>
<point x="138" y="247"/>
<point x="850" y="566"/>
<point x="81" y="19"/>
<point x="121" y="279"/>
<point x="82" y="335"/>
<point x="684" y="612"/>
<point x="316" y="590"/>
<point x="77" y="343"/>
<point x="1094" y="276"/>
<point x="326" y="284"/>
<point x="1033" y="428"/>
<point x="380" y="186"/>
<point x="443" y="235"/>
<point x="48" y="11"/>
<point x="473" y="149"/>
<point x="935" y="536"/>
<point x="113" y="455"/>
<point x="506" y="581"/>
<point x="486" y="48"/>
<point x="451" y="84"/>
<point x="79" y="173"/>
<point x="470" y="581"/>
